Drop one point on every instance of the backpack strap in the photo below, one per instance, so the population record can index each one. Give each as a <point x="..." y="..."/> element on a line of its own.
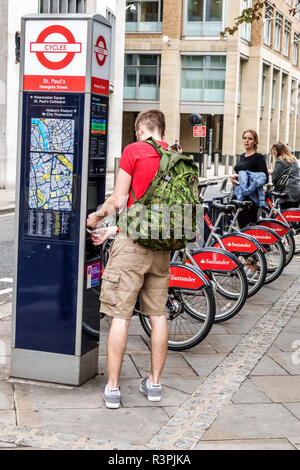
<point x="165" y="158"/>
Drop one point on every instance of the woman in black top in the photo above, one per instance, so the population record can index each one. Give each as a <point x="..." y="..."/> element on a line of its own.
<point x="251" y="161"/>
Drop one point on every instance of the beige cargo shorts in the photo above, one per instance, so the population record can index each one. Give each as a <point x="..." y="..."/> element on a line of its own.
<point x="133" y="269"/>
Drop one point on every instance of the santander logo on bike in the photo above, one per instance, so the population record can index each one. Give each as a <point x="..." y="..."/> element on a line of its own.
<point x="210" y="261"/>
<point x="181" y="278"/>
<point x="239" y="245"/>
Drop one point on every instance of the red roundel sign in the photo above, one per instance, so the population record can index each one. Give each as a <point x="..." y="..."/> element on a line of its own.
<point x="69" y="47"/>
<point x="101" y="50"/>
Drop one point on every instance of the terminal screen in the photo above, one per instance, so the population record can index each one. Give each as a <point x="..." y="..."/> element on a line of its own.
<point x="99" y="121"/>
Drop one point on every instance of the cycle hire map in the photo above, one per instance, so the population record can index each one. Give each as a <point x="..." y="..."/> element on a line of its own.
<point x="51" y="164"/>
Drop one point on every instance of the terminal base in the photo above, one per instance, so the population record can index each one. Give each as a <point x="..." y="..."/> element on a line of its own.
<point x="55" y="368"/>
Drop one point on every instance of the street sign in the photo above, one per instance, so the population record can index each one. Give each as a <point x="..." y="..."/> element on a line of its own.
<point x="55" y="56"/>
<point x="100" y="59"/>
<point x="199" y="131"/>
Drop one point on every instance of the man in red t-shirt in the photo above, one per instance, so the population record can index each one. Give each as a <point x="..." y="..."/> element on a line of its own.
<point x="133" y="269"/>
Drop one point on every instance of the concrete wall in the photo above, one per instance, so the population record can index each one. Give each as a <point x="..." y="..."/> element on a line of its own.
<point x="3" y="86"/>
<point x="16" y="10"/>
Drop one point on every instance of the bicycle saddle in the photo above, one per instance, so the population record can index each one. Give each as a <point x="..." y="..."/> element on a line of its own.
<point x="223" y="207"/>
<point x="241" y="204"/>
<point x="280" y="195"/>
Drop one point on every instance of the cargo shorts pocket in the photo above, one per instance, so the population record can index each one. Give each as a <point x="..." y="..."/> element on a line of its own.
<point x="109" y="287"/>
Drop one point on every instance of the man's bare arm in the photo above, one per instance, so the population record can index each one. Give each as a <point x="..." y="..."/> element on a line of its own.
<point x="115" y="202"/>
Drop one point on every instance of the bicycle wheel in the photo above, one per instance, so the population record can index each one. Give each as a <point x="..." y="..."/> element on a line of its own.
<point x="297" y="242"/>
<point x="255" y="271"/>
<point x="289" y="246"/>
<point x="230" y="291"/>
<point x="186" y="329"/>
<point x="275" y="257"/>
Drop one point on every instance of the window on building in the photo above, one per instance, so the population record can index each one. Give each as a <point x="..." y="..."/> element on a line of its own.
<point x="204" y="17"/>
<point x="296" y="48"/>
<point x="62" y="6"/>
<point x="264" y="85"/>
<point x="246" y="27"/>
<point x="278" y="31"/>
<point x="268" y="25"/>
<point x="274" y="88"/>
<point x="203" y="78"/>
<point x="144" y="15"/>
<point x="287" y="38"/>
<point x="142" y="77"/>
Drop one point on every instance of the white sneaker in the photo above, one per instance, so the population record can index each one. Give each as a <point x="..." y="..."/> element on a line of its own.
<point x="112" y="397"/>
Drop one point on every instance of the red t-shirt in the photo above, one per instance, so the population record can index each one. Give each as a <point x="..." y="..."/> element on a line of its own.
<point x="141" y="161"/>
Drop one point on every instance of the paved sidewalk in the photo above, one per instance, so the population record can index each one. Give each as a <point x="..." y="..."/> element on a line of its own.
<point x="7" y="200"/>
<point x="238" y="389"/>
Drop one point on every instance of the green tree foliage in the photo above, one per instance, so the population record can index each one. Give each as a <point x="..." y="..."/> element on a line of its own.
<point x="249" y="15"/>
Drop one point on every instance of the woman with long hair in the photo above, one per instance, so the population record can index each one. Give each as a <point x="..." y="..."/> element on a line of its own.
<point x="252" y="161"/>
<point x="284" y="161"/>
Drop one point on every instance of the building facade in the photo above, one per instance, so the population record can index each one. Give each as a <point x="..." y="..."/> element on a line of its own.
<point x="175" y="60"/>
<point x="11" y="12"/>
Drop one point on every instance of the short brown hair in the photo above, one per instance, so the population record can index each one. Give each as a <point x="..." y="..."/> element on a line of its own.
<point x="152" y="119"/>
<point x="255" y="136"/>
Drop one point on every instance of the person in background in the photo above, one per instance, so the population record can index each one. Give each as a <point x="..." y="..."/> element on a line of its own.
<point x="284" y="160"/>
<point x="252" y="161"/>
<point x="177" y="146"/>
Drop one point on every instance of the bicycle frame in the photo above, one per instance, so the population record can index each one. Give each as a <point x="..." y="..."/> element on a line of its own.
<point x="287" y="216"/>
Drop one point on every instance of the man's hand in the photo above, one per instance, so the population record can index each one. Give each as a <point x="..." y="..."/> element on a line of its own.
<point x="100" y="235"/>
<point x="93" y="220"/>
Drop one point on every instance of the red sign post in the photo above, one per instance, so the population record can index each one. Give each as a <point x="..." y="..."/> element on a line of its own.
<point x="199" y="131"/>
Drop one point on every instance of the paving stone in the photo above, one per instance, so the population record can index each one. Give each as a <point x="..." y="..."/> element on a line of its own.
<point x="202" y="348"/>
<point x="290" y="361"/>
<point x="128" y="370"/>
<point x="175" y="366"/>
<point x="259" y="421"/>
<point x="204" y="365"/>
<point x="267" y="366"/>
<point x="294" y="408"/>
<point x="251" y="444"/>
<point x="295" y="441"/>
<point x="131" y="423"/>
<point x="132" y="397"/>
<point x="224" y="343"/>
<point x="186" y="384"/>
<point x="285" y="341"/>
<point x="170" y="410"/>
<point x="6" y="396"/>
<point x="279" y="388"/>
<point x="7" y="417"/>
<point x="29" y="397"/>
<point x="249" y="393"/>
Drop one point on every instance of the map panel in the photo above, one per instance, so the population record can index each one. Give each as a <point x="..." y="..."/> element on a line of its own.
<point x="52" y="135"/>
<point x="50" y="181"/>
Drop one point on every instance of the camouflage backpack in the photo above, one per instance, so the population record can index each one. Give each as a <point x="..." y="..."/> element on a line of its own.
<point x="164" y="218"/>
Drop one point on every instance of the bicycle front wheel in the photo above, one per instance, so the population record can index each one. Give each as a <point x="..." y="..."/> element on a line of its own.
<point x="275" y="256"/>
<point x="255" y="270"/>
<point x="186" y="328"/>
<point x="289" y="246"/>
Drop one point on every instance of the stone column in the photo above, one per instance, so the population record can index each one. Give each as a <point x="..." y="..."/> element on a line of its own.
<point x="293" y="114"/>
<point x="285" y="113"/>
<point x="3" y="89"/>
<point x="231" y="102"/>
<point x="250" y="99"/>
<point x="275" y="116"/>
<point x="297" y="144"/>
<point x="170" y="82"/>
<point x="265" y="125"/>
